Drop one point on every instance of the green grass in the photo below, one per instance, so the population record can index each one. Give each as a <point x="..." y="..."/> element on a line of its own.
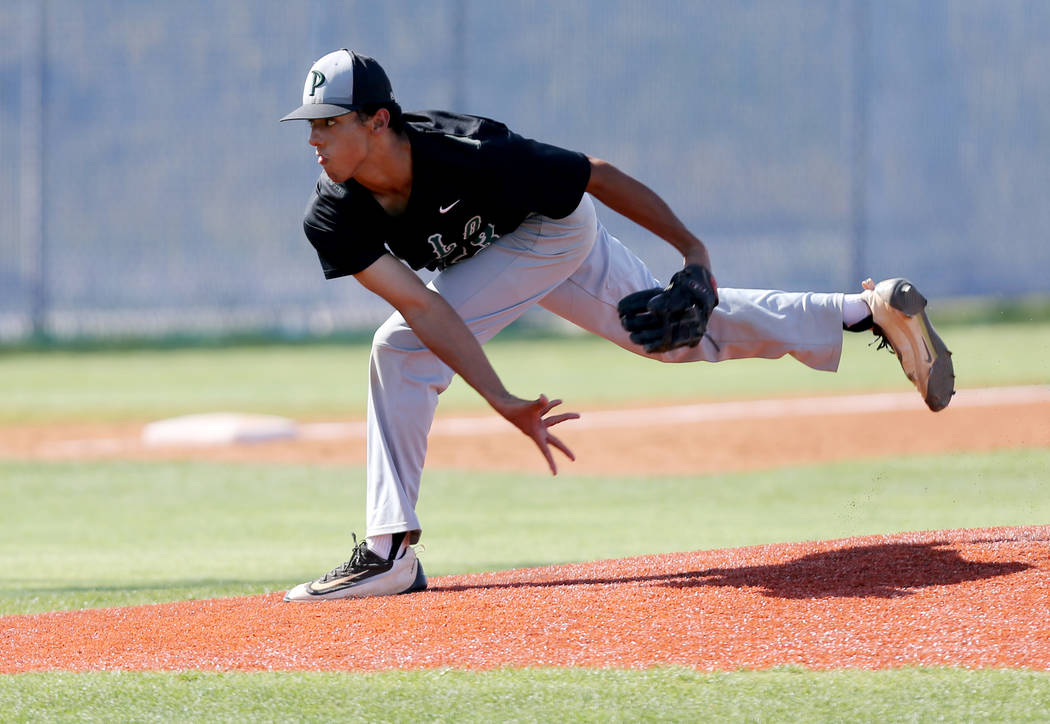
<point x="113" y="533"/>
<point x="76" y="535"/>
<point x="536" y="695"/>
<point x="325" y="381"/>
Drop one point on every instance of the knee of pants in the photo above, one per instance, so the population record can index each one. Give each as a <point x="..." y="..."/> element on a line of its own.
<point x="399" y="358"/>
<point x="395" y="335"/>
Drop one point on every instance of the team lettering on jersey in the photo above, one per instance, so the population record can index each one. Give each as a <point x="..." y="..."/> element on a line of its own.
<point x="476" y="236"/>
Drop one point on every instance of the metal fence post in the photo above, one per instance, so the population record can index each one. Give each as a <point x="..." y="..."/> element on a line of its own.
<point x="861" y="81"/>
<point x="31" y="185"/>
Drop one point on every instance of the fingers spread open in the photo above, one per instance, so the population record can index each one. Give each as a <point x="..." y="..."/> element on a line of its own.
<point x="547" y="406"/>
<point x="530" y="418"/>
<point x="561" y="446"/>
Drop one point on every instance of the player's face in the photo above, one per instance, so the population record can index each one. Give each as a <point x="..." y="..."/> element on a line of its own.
<point x="341" y="145"/>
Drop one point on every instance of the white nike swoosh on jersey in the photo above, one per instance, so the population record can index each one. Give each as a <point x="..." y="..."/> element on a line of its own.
<point x="446" y="209"/>
<point x="463" y="139"/>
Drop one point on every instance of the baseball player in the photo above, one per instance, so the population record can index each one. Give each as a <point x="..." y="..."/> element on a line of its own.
<point x="509" y="223"/>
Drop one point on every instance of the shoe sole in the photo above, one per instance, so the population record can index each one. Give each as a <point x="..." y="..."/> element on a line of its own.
<point x="940" y="387"/>
<point x="371" y="587"/>
<point x="420" y="582"/>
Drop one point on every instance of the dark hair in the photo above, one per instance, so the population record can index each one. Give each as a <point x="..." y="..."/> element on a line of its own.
<point x="396" y="121"/>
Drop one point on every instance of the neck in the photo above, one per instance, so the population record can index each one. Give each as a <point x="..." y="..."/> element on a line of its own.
<point x="388" y="171"/>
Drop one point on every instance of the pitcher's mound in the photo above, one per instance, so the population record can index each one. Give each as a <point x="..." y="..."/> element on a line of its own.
<point x="943" y="598"/>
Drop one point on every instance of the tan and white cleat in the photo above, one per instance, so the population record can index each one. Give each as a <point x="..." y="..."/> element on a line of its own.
<point x="365" y="574"/>
<point x="898" y="311"/>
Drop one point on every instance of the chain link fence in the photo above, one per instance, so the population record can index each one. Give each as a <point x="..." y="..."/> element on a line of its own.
<point x="148" y="189"/>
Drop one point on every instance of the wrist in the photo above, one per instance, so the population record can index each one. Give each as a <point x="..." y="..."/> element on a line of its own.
<point x="700" y="258"/>
<point x="696" y="253"/>
<point x="501" y="400"/>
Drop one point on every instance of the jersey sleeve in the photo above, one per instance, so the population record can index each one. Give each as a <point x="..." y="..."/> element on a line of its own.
<point x="541" y="178"/>
<point x="341" y="248"/>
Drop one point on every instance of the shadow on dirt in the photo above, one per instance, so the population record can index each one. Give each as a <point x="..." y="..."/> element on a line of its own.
<point x="879" y="571"/>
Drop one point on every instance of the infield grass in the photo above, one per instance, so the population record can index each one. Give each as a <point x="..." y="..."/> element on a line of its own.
<point x="93" y="534"/>
<point x="75" y="535"/>
<point x="329" y="381"/>
<point x="534" y="695"/>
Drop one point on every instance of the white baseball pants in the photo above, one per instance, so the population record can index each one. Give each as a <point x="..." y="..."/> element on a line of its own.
<point x="576" y="269"/>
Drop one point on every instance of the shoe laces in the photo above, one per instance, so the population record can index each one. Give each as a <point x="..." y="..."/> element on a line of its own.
<point x="882" y="340"/>
<point x="361" y="558"/>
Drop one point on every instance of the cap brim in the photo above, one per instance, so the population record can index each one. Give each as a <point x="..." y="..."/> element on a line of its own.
<point x="310" y="111"/>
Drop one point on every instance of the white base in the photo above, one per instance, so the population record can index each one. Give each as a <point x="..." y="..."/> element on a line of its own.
<point x="218" y="428"/>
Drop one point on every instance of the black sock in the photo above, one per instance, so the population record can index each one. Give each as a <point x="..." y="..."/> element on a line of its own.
<point x="862" y="326"/>
<point x="395" y="544"/>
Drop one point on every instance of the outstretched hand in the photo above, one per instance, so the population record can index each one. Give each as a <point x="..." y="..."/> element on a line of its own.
<point x="530" y="416"/>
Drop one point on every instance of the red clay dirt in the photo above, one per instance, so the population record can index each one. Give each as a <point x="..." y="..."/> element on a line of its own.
<point x="957" y="598"/>
<point x="714" y="446"/>
<point x="951" y="598"/>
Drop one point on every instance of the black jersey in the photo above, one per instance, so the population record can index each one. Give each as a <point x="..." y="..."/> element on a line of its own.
<point x="473" y="180"/>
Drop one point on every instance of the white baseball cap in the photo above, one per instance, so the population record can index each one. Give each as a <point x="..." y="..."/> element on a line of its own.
<point x="341" y="82"/>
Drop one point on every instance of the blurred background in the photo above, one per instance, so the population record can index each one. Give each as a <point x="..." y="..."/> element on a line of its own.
<point x="147" y="188"/>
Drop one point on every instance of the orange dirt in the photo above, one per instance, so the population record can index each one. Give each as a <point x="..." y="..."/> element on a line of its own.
<point x="694" y="447"/>
<point x="959" y="598"/>
<point x="962" y="598"/>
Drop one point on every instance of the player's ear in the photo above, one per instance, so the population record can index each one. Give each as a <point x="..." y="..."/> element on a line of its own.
<point x="380" y="120"/>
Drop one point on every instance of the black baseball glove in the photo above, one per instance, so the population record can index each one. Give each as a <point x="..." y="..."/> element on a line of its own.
<point x="675" y="316"/>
